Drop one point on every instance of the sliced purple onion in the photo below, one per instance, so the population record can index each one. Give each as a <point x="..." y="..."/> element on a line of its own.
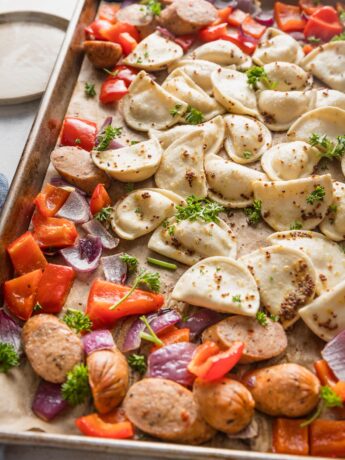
<point x="334" y="354"/>
<point x="95" y="228"/>
<point x="171" y="362"/>
<point x="224" y="3"/>
<point x="114" y="144"/>
<point x="107" y="122"/>
<point x="84" y="255"/>
<point x="98" y="340"/>
<point x="133" y="340"/>
<point x="75" y="208"/>
<point x="265" y="18"/>
<point x="164" y="320"/>
<point x="199" y="320"/>
<point x="48" y="401"/>
<point x="10" y="331"/>
<point x="299" y="36"/>
<point x="166" y="33"/>
<point x="57" y="181"/>
<point x="115" y="269"/>
<point x="126" y="3"/>
<point x="251" y="431"/>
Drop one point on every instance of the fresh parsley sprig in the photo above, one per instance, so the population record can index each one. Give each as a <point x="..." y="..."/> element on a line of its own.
<point x="8" y="357"/>
<point x="257" y="74"/>
<point x="137" y="363"/>
<point x="153" y="6"/>
<point x="89" y="89"/>
<point x="327" y="148"/>
<point x="106" y="136"/>
<point x="131" y="261"/>
<point x="149" y="279"/>
<point x="77" y="320"/>
<point x="193" y="116"/>
<point x="338" y="38"/>
<point x="199" y="208"/>
<point x="329" y="399"/>
<point x="150" y="336"/>
<point x="104" y="214"/>
<point x="316" y="195"/>
<point x="253" y="212"/>
<point x="175" y="110"/>
<point x="76" y="389"/>
<point x="262" y="318"/>
<point x="297" y="225"/>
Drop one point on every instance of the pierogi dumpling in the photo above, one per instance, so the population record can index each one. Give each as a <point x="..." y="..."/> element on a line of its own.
<point x="290" y="160"/>
<point x="287" y="76"/>
<point x="246" y="138"/>
<point x="330" y="98"/>
<point x="230" y="184"/>
<point x="300" y="201"/>
<point x="198" y="70"/>
<point x="333" y="225"/>
<point x="224" y="53"/>
<point x="142" y="211"/>
<point x="221" y="284"/>
<point x="286" y="280"/>
<point x="147" y="105"/>
<point x="276" y="45"/>
<point x="155" y="52"/>
<point x="188" y="242"/>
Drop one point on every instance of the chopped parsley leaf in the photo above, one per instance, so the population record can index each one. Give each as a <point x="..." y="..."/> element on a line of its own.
<point x="258" y="74"/>
<point x="176" y="110"/>
<point x="297" y="225"/>
<point x="89" y="89"/>
<point x="316" y="195"/>
<point x="253" y="212"/>
<point x="193" y="116"/>
<point x="199" y="208"/>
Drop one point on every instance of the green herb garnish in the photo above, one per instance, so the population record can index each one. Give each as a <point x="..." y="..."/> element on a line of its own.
<point x="297" y="225"/>
<point x="237" y="298"/>
<point x="77" y="320"/>
<point x="199" y="208"/>
<point x="332" y="208"/>
<point x="338" y="38"/>
<point x="329" y="399"/>
<point x="77" y="141"/>
<point x="76" y="389"/>
<point x="316" y="195"/>
<point x="153" y="6"/>
<point x="193" y="116"/>
<point x="149" y="336"/>
<point x="89" y="89"/>
<point x="111" y="73"/>
<point x="8" y="357"/>
<point x="253" y="212"/>
<point x="137" y="363"/>
<point x="129" y="187"/>
<point x="161" y="263"/>
<point x="328" y="149"/>
<point x="176" y="110"/>
<point x="261" y="318"/>
<point x="104" y="214"/>
<point x="106" y="137"/>
<point x="38" y="307"/>
<point x="131" y="261"/>
<point x="149" y="279"/>
<point x="134" y="142"/>
<point x="258" y="74"/>
<point x="247" y="154"/>
<point x="313" y="39"/>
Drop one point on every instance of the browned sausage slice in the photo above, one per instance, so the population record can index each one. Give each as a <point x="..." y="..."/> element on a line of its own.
<point x="284" y="390"/>
<point x="166" y="410"/>
<point x="139" y="16"/>
<point x="76" y="166"/>
<point x="108" y="377"/>
<point x="102" y="54"/>
<point x="226" y="404"/>
<point x="52" y="348"/>
<point x="261" y="342"/>
<point x="187" y="16"/>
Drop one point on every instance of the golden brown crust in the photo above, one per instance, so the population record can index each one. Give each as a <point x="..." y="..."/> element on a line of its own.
<point x="102" y="54"/>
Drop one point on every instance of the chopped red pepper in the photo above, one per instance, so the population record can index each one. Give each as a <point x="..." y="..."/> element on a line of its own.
<point x="211" y="363"/>
<point x="185" y="41"/>
<point x="172" y="335"/>
<point x="327" y="438"/>
<point x="112" y="34"/>
<point x="100" y="199"/>
<point x="50" y="200"/>
<point x="54" y="287"/>
<point x="252" y="27"/>
<point x="112" y="90"/>
<point x="108" y="11"/>
<point x="25" y="254"/>
<point x="288" y="17"/>
<point x="288" y="437"/>
<point x="102" y="427"/>
<point x="325" y="373"/>
<point x="236" y="17"/>
<point x="104" y="294"/>
<point x="224" y="13"/>
<point x="96" y="30"/>
<point x="213" y="32"/>
<point x="125" y="73"/>
<point x="127" y="42"/>
<point x="309" y="6"/>
<point x="323" y="24"/>
<point x="307" y="49"/>
<point x="246" y="44"/>
<point x="79" y="132"/>
<point x="20" y="294"/>
<point x="53" y="232"/>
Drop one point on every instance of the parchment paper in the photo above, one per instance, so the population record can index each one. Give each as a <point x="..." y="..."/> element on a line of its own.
<point x="19" y="385"/>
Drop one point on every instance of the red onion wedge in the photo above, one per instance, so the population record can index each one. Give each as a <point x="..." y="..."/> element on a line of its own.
<point x="95" y="228"/>
<point x="10" y="331"/>
<point x="115" y="269"/>
<point x="171" y="362"/>
<point x="48" y="401"/>
<point x="334" y="354"/>
<point x="75" y="208"/>
<point x="98" y="340"/>
<point x="265" y="18"/>
<point x="57" y="181"/>
<point x="84" y="255"/>
<point x="199" y="320"/>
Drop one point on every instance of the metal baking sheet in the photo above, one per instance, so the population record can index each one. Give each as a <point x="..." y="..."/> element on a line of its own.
<point x="16" y="217"/>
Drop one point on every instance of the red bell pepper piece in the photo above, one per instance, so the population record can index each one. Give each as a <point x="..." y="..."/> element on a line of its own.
<point x="327" y="438"/>
<point x="78" y="132"/>
<point x="25" y="254"/>
<point x="99" y="199"/>
<point x="211" y="363"/>
<point x="323" y="24"/>
<point x="53" y="232"/>
<point x="307" y="48"/>
<point x="96" y="30"/>
<point x="127" y="42"/>
<point x="104" y="294"/>
<point x="252" y="27"/>
<point x="107" y="12"/>
<point x="20" y="294"/>
<point x="185" y="41"/>
<point x="325" y="373"/>
<point x="50" y="200"/>
<point x="289" y="437"/>
<point x="125" y="73"/>
<point x="246" y="44"/>
<point x="112" y="34"/>
<point x="54" y="287"/>
<point x="99" y="426"/>
<point x="288" y="17"/>
<point x="172" y="335"/>
<point x="309" y="6"/>
<point x="112" y="90"/>
<point x="236" y="17"/>
<point x="213" y="32"/>
<point x="224" y="13"/>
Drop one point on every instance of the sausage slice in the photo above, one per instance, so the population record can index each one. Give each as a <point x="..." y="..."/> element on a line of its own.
<point x="102" y="54"/>
<point x="284" y="390"/>
<point x="139" y="16"/>
<point x="52" y="348"/>
<point x="226" y="404"/>
<point x="166" y="410"/>
<point x="187" y="16"/>
<point x="76" y="166"/>
<point x="261" y="342"/>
